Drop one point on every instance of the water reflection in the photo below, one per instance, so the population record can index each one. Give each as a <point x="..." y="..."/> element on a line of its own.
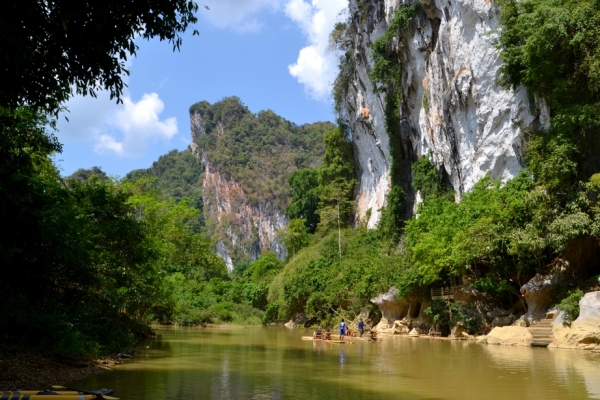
<point x="274" y="363"/>
<point x="342" y="356"/>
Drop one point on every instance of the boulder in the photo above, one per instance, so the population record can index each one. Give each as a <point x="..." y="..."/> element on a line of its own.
<point x="400" y="328"/>
<point x="414" y="332"/>
<point x="297" y="321"/>
<point x="290" y="324"/>
<point x="393" y="310"/>
<point x="538" y="294"/>
<point x="509" y="336"/>
<point x="458" y="331"/>
<point x="584" y="332"/>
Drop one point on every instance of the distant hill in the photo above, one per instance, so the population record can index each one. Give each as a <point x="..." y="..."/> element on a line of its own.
<point x="248" y="158"/>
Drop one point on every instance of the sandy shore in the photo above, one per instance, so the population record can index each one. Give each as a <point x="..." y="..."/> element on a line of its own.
<point x="33" y="372"/>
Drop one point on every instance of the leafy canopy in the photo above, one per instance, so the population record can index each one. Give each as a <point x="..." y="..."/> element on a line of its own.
<point x="51" y="49"/>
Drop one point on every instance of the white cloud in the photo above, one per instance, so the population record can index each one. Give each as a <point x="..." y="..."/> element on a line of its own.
<point x="316" y="67"/>
<point x="120" y="129"/>
<point x="108" y="143"/>
<point x="238" y="14"/>
<point x="138" y="124"/>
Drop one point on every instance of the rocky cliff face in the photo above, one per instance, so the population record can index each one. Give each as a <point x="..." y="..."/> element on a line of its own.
<point x="247" y="159"/>
<point x="452" y="106"/>
<point x="242" y="229"/>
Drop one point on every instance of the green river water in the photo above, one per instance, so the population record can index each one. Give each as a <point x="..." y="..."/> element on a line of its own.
<point x="274" y="363"/>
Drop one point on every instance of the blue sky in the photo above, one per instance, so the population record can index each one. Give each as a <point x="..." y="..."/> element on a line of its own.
<point x="271" y="53"/>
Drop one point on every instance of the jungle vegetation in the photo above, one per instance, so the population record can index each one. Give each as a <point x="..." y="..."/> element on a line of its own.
<point x="82" y="255"/>
<point x="178" y="175"/>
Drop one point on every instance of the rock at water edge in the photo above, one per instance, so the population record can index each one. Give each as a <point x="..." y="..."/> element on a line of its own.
<point x="585" y="330"/>
<point x="509" y="336"/>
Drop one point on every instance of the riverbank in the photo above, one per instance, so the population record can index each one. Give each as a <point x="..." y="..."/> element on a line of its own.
<point x="29" y="371"/>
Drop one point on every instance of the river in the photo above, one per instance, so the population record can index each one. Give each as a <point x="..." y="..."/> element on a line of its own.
<point x="274" y="363"/>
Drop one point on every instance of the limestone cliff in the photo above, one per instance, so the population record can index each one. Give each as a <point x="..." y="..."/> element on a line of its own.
<point x="451" y="107"/>
<point x="247" y="159"/>
<point x="243" y="230"/>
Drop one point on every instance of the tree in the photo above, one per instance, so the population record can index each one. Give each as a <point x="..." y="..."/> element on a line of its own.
<point x="337" y="179"/>
<point x="305" y="197"/>
<point x="52" y="48"/>
<point x="71" y="251"/>
<point x="295" y="236"/>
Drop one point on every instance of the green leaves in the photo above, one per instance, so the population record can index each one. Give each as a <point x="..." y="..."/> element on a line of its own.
<point x="552" y="48"/>
<point x="570" y="305"/>
<point x="306" y="192"/>
<point x="446" y="314"/>
<point x="54" y="49"/>
<point x="315" y="281"/>
<point x="73" y="250"/>
<point x="450" y="238"/>
<point x="296" y="236"/>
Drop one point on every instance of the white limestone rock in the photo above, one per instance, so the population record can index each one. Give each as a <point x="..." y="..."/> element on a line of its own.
<point x="471" y="125"/>
<point x="400" y="328"/>
<point x="393" y="311"/>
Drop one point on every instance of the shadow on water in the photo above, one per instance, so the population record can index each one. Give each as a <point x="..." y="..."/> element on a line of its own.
<point x="274" y="363"/>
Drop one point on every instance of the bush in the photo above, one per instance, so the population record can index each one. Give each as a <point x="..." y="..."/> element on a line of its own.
<point x="570" y="306"/>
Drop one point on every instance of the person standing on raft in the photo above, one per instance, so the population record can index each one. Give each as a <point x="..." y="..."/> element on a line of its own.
<point x="342" y="330"/>
<point x="361" y="327"/>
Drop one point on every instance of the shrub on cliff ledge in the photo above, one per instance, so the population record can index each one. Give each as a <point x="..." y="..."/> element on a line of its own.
<point x="570" y="305"/>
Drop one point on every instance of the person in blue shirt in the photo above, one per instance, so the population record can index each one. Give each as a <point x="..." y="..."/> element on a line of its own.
<point x="361" y="327"/>
<point x="342" y="330"/>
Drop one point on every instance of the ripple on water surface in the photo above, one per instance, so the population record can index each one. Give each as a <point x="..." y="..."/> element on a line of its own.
<point x="274" y="363"/>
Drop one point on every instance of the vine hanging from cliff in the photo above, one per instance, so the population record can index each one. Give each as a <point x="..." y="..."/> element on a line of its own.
<point x="342" y="39"/>
<point x="387" y="78"/>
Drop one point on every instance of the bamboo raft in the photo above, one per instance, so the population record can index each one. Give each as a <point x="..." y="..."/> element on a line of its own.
<point x="365" y="339"/>
<point x="326" y="341"/>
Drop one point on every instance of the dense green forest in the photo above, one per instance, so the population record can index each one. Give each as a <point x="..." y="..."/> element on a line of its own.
<point x="88" y="259"/>
<point x="178" y="175"/>
<point x="115" y="255"/>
